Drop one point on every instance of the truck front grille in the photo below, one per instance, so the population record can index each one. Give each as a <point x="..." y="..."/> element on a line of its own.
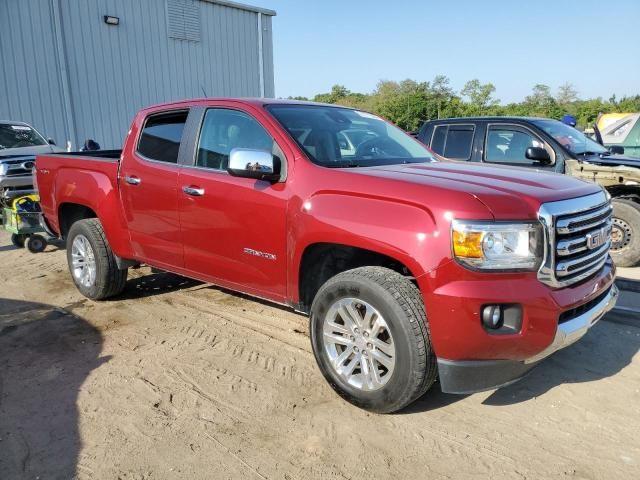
<point x="578" y="233"/>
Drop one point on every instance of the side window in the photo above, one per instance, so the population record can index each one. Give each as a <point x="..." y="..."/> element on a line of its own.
<point x="161" y="136"/>
<point x="222" y="131"/>
<point x="459" y="142"/>
<point x="438" y="138"/>
<point x="508" y="145"/>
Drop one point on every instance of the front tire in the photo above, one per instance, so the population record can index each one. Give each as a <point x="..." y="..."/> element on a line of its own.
<point x="370" y="338"/>
<point x="625" y="235"/>
<point x="92" y="263"/>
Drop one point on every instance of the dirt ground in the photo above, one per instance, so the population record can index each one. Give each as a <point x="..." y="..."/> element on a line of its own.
<point x="177" y="379"/>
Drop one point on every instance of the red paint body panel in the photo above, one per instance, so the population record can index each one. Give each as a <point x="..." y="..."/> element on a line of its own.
<point x="402" y="211"/>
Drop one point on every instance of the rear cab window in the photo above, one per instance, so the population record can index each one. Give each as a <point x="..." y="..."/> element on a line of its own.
<point x="161" y="136"/>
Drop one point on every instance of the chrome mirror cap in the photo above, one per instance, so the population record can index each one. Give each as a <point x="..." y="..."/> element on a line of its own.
<point x="248" y="163"/>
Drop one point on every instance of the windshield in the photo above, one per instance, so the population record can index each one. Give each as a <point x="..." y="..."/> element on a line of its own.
<point x="18" y="136"/>
<point x="342" y="137"/>
<point x="570" y="138"/>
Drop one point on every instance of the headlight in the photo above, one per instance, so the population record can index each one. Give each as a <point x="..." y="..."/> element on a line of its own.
<point x="497" y="246"/>
<point x="3" y="169"/>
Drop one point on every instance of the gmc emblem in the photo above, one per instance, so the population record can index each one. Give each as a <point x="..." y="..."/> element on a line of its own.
<point x="598" y="238"/>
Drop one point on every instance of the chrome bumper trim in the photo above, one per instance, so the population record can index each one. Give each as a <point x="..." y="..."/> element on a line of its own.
<point x="573" y="330"/>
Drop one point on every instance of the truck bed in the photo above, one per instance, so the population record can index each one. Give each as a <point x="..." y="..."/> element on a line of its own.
<point x="93" y="155"/>
<point x="74" y="177"/>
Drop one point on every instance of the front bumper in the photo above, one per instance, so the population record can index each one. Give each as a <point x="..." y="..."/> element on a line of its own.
<point x="12" y="187"/>
<point x="462" y="376"/>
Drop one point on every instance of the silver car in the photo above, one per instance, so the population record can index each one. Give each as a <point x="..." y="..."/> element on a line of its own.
<point x="19" y="145"/>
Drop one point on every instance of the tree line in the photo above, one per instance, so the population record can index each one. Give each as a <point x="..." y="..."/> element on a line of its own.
<point x="408" y="103"/>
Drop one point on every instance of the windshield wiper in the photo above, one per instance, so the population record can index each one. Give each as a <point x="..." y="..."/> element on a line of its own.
<point x="587" y="152"/>
<point x="341" y="165"/>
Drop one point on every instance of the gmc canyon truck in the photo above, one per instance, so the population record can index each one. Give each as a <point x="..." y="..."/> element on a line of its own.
<point x="410" y="269"/>
<point x="546" y="144"/>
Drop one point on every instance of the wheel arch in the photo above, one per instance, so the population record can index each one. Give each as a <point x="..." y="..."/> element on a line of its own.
<point x="320" y="261"/>
<point x="71" y="212"/>
<point x="625" y="192"/>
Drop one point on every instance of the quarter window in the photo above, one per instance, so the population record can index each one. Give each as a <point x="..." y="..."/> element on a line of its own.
<point x="161" y="136"/>
<point x="222" y="131"/>
<point x="438" y="139"/>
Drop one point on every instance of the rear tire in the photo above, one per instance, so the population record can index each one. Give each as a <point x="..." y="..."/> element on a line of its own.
<point x="625" y="248"/>
<point x="35" y="243"/>
<point x="91" y="261"/>
<point x="370" y="338"/>
<point x="18" y="240"/>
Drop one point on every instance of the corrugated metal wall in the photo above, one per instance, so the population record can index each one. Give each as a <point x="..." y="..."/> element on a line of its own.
<point x="113" y="71"/>
<point x="30" y="87"/>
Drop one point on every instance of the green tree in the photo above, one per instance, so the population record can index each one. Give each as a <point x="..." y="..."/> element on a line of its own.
<point x="542" y="104"/>
<point x="480" y="97"/>
<point x="337" y="92"/>
<point x="441" y="92"/>
<point x="567" y="94"/>
<point x="408" y="103"/>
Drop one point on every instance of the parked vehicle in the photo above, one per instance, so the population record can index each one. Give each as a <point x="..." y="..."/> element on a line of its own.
<point x="621" y="132"/>
<point x="19" y="144"/>
<point x="410" y="269"/>
<point x="548" y="145"/>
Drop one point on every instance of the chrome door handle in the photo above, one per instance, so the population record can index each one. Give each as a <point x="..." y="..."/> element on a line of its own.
<point x="132" y="180"/>
<point x="195" y="191"/>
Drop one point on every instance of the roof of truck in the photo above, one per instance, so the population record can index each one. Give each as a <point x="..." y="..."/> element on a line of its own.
<point x="249" y="101"/>
<point x="492" y="119"/>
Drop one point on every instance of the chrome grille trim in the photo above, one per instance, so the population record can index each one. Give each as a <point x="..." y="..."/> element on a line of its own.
<point x="564" y="226"/>
<point x="567" y="224"/>
<point x="572" y="246"/>
<point x="569" y="267"/>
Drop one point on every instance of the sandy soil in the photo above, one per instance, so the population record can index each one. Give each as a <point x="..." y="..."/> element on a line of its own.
<point x="176" y="379"/>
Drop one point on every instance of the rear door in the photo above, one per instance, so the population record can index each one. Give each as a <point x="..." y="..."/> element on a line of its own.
<point x="148" y="184"/>
<point x="234" y="229"/>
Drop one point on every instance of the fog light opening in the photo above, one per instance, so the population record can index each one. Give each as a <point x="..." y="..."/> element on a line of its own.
<point x="492" y="317"/>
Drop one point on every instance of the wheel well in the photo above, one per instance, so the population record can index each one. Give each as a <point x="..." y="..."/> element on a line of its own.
<point x="70" y="213"/>
<point x="321" y="261"/>
<point x="626" y="192"/>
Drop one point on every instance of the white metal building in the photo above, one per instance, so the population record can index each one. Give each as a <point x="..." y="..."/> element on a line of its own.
<point x="79" y="69"/>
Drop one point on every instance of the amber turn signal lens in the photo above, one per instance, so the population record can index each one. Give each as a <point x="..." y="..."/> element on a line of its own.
<point x="467" y="244"/>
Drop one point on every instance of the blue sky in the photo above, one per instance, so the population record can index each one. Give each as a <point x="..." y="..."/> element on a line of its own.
<point x="593" y="44"/>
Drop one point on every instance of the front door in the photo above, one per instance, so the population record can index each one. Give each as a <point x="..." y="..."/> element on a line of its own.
<point x="507" y="144"/>
<point x="234" y="229"/>
<point x="149" y="190"/>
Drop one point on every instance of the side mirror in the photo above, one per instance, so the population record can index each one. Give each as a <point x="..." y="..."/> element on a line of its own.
<point x="258" y="164"/>
<point x="538" y="154"/>
<point x="51" y="141"/>
<point x="616" y="150"/>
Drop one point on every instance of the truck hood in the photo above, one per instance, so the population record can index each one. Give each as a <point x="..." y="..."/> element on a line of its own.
<point x="612" y="160"/>
<point x="508" y="192"/>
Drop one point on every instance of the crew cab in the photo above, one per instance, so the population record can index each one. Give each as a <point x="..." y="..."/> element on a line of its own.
<point x="19" y="145"/>
<point x="550" y="145"/>
<point x="410" y="269"/>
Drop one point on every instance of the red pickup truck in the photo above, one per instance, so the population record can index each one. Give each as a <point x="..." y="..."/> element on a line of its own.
<point x="411" y="269"/>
